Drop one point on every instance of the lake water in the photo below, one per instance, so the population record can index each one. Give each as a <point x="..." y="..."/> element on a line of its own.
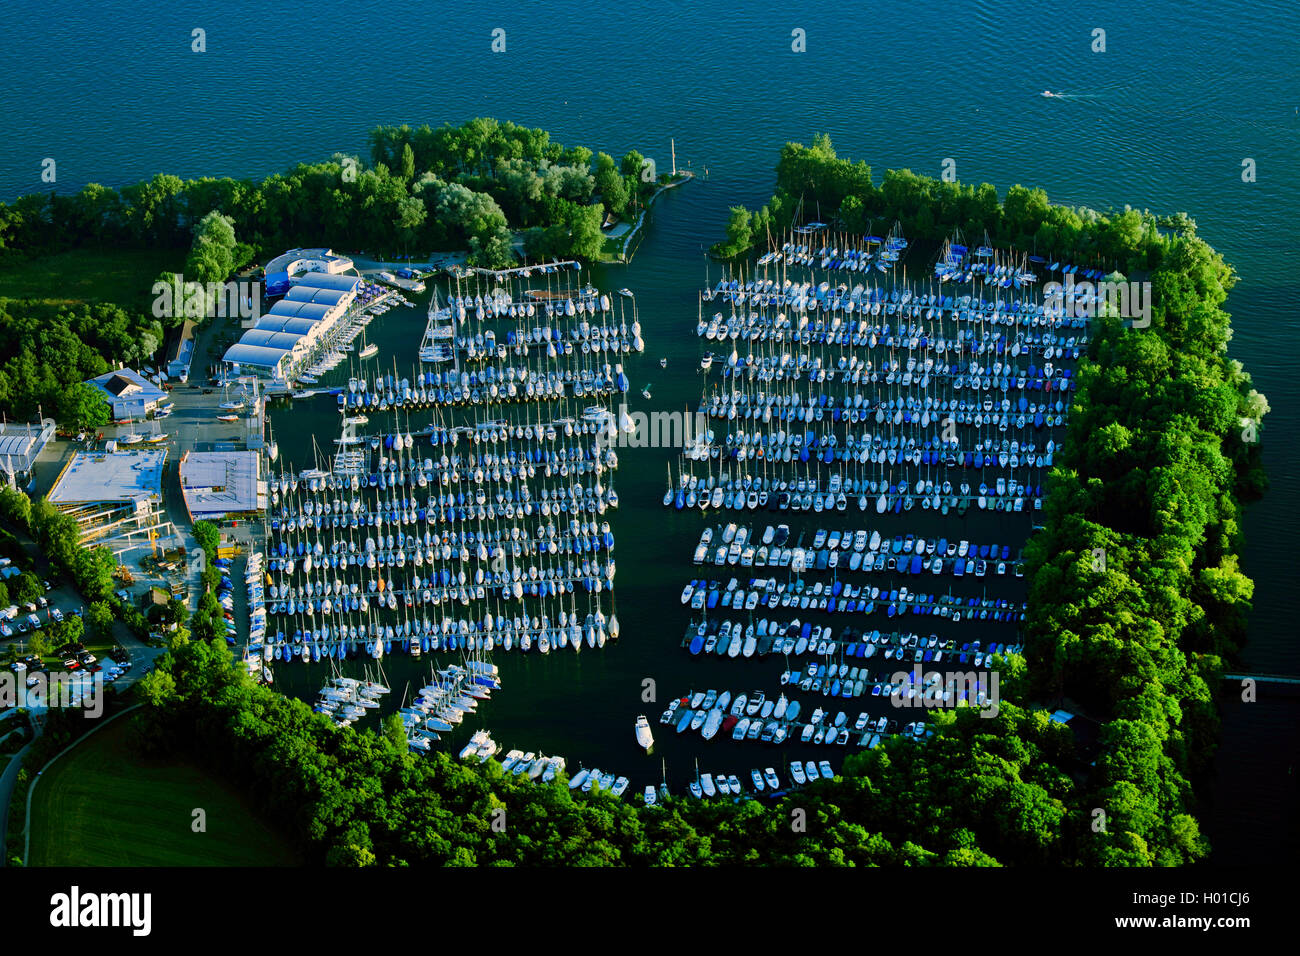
<point x="1164" y="118"/>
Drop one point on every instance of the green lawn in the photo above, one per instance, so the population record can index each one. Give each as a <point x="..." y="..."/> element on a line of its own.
<point x="124" y="276"/>
<point x="101" y="805"/>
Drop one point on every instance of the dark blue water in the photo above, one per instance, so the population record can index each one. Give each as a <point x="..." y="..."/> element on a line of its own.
<point x="1163" y="119"/>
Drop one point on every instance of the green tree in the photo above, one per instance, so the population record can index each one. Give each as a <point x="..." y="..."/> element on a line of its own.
<point x="100" y="617"/>
<point x="610" y="184"/>
<point x="15" y="506"/>
<point x="38" y="645"/>
<point x="82" y="406"/>
<point x="28" y="588"/>
<point x="394" y="731"/>
<point x="632" y="164"/>
<point x="70" y="630"/>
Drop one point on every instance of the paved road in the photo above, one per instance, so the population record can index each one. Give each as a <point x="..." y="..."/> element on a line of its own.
<point x="7" y="781"/>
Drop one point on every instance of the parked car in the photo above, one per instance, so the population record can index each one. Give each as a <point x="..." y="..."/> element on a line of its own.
<point x="34" y="621"/>
<point x="56" y="614"/>
<point x="43" y="601"/>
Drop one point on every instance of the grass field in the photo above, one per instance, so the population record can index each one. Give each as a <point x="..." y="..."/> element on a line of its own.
<point x="101" y="805"/>
<point x="124" y="276"/>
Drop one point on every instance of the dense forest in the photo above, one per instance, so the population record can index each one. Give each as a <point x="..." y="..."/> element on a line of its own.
<point x="48" y="352"/>
<point x="1135" y="600"/>
<point x="479" y="187"/>
<point x="468" y="187"/>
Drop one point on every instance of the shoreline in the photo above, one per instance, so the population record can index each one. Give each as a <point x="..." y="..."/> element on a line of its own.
<point x="627" y="237"/>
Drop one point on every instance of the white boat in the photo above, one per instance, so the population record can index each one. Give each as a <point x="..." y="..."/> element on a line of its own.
<point x="369" y="351"/>
<point x="643" y="735"/>
<point x="512" y="758"/>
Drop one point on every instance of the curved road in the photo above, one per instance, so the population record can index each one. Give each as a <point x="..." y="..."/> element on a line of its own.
<point x="7" y="781"/>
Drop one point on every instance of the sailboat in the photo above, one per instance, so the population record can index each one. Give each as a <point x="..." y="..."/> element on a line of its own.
<point x="369" y="350"/>
<point x="236" y="405"/>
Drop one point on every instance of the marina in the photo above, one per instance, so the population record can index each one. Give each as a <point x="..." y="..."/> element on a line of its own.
<point x="843" y="432"/>
<point x="467" y="512"/>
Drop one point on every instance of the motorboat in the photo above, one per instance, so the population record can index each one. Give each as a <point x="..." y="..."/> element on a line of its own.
<point x="643" y="735"/>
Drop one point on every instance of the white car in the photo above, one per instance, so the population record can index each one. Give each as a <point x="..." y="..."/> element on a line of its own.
<point x="56" y="614"/>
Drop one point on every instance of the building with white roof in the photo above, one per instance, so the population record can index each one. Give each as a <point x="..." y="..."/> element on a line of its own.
<point x="20" y="445"/>
<point x="128" y="393"/>
<point x="221" y="484"/>
<point x="112" y="494"/>
<point x="292" y="328"/>
<point x="309" y="260"/>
